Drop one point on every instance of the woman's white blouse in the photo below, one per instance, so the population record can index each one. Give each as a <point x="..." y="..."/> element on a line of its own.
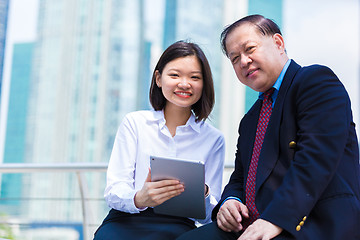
<point x="144" y="133"/>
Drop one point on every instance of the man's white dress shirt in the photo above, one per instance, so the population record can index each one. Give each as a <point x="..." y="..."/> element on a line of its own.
<point x="144" y="133"/>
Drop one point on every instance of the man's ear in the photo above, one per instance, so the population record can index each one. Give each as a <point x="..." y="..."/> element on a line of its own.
<point x="279" y="41"/>
<point x="157" y="78"/>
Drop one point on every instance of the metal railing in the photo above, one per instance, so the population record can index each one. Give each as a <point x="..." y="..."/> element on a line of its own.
<point x="77" y="168"/>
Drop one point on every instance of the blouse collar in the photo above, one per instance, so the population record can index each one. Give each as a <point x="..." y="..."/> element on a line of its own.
<point x="158" y="116"/>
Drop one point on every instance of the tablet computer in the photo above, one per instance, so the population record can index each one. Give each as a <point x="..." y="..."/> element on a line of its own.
<point x="190" y="203"/>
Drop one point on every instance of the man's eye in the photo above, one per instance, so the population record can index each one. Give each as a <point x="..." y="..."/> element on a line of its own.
<point x="234" y="59"/>
<point x="249" y="49"/>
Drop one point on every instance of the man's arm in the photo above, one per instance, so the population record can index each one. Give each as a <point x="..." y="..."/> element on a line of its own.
<point x="234" y="187"/>
<point x="323" y="116"/>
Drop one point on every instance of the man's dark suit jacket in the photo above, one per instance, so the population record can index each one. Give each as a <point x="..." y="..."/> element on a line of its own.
<point x="307" y="178"/>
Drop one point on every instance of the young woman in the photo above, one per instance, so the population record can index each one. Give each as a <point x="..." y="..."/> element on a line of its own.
<point x="182" y="95"/>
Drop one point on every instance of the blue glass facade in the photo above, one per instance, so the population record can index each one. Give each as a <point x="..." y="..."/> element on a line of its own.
<point x="11" y="185"/>
<point x="272" y="10"/>
<point x="170" y="23"/>
<point x="4" y="8"/>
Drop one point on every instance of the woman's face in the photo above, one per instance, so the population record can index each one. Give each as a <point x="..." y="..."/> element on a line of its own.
<point x="181" y="81"/>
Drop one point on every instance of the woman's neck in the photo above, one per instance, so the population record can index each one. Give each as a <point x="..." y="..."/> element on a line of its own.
<point x="176" y="116"/>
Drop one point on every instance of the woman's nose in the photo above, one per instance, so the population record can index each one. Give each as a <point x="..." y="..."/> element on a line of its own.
<point x="184" y="83"/>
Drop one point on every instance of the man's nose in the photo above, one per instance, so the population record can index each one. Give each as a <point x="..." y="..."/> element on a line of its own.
<point x="245" y="60"/>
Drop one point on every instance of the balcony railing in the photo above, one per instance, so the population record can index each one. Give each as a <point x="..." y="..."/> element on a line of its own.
<point x="77" y="168"/>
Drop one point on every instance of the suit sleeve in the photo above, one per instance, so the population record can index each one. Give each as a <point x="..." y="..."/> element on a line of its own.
<point x="323" y="117"/>
<point x="235" y="186"/>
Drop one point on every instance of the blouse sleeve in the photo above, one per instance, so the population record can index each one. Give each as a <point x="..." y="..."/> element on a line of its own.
<point x="120" y="187"/>
<point x="214" y="167"/>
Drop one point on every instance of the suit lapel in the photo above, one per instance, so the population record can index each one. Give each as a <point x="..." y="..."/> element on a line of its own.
<point x="250" y="122"/>
<point x="270" y="148"/>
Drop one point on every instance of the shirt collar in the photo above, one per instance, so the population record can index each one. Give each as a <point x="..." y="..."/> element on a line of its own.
<point x="158" y="116"/>
<point x="278" y="82"/>
<point x="193" y="124"/>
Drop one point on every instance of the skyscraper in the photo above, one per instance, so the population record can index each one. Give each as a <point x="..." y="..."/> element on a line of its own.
<point x="183" y="22"/>
<point x="11" y="184"/>
<point x="170" y="25"/>
<point x="89" y="66"/>
<point x="84" y="80"/>
<point x="4" y="8"/>
<point x="92" y="64"/>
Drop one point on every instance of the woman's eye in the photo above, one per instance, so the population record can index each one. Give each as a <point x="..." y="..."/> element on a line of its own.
<point x="173" y="75"/>
<point x="196" y="77"/>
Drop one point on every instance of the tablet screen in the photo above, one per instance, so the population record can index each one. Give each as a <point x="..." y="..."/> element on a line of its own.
<point x="190" y="203"/>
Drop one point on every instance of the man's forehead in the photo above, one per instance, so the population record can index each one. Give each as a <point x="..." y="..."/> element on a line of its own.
<point x="243" y="35"/>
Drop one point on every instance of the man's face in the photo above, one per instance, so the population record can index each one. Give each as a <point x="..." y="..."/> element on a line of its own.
<point x="256" y="59"/>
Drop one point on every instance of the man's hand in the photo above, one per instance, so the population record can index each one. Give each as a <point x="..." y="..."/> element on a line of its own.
<point x="231" y="215"/>
<point x="260" y="229"/>
<point x="155" y="193"/>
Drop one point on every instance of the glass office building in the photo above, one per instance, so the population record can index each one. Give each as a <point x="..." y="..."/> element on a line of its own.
<point x="89" y="66"/>
<point x="11" y="184"/>
<point x="84" y="79"/>
<point x="92" y="64"/>
<point x="4" y="8"/>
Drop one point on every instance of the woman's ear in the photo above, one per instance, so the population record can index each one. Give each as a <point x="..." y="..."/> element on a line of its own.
<point x="158" y="78"/>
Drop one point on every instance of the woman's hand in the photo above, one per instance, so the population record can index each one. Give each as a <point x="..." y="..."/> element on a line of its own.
<point x="155" y="193"/>
<point x="206" y="190"/>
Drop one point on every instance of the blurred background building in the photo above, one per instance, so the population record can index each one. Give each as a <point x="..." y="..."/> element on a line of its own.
<point x="4" y="8"/>
<point x="74" y="68"/>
